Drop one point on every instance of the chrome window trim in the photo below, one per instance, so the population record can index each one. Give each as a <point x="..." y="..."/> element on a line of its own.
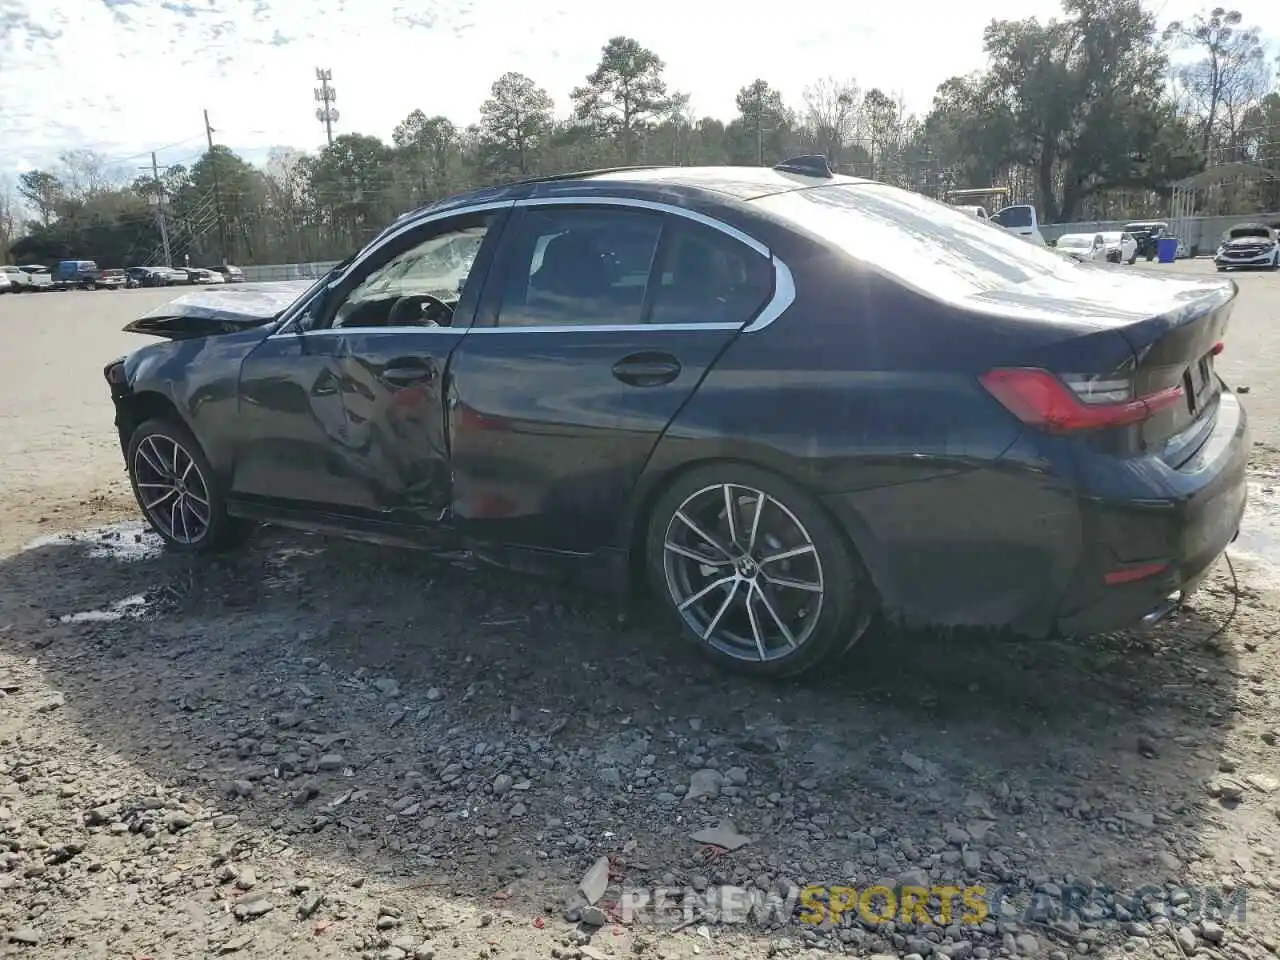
<point x="784" y="288"/>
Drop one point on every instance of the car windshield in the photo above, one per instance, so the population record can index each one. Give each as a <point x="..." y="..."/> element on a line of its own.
<point x="927" y="244"/>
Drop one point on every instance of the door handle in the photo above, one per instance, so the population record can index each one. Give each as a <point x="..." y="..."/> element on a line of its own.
<point x="408" y="371"/>
<point x="647" y="369"/>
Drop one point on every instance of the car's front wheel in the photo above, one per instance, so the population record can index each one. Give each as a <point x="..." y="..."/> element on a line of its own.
<point x="177" y="489"/>
<point x="755" y="572"/>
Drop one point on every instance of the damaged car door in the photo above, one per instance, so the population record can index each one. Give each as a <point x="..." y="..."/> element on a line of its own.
<point x="347" y="402"/>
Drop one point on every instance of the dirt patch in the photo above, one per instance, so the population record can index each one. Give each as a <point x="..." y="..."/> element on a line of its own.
<point x="316" y="748"/>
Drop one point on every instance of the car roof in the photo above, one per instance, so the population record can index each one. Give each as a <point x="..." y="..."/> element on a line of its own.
<point x="677" y="185"/>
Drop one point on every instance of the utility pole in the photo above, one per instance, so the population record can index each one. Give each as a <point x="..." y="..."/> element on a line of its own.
<point x="159" y="201"/>
<point x="325" y="95"/>
<point x="217" y="193"/>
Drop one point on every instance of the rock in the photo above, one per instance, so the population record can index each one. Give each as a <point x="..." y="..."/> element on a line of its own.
<point x="309" y="905"/>
<point x="1147" y="747"/>
<point x="705" y="783"/>
<point x="434" y="694"/>
<point x="246" y="878"/>
<point x="236" y="944"/>
<point x="595" y="881"/>
<point x="502" y="784"/>
<point x="24" y="936"/>
<point x="594" y="917"/>
<point x="972" y="861"/>
<point x="957" y="836"/>
<point x="386" y="923"/>
<point x="737" y="776"/>
<point x="1263" y="783"/>
<point x="387" y="686"/>
<point x="1211" y="932"/>
<point x="1187" y="940"/>
<point x="610" y="777"/>
<point x="240" y="788"/>
<point x="177" y="822"/>
<point x="50" y="704"/>
<point x="252" y="909"/>
<point x="1026" y="945"/>
<point x="330" y="762"/>
<point x="424" y="952"/>
<point x="1139" y="818"/>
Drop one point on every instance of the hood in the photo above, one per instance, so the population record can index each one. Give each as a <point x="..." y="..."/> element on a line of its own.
<point x="1248" y="233"/>
<point x="210" y="311"/>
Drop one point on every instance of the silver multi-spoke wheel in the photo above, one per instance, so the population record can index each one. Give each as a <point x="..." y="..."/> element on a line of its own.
<point x="171" y="489"/>
<point x="743" y="572"/>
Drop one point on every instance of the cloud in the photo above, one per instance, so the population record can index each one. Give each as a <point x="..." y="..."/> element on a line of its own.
<point x="123" y="77"/>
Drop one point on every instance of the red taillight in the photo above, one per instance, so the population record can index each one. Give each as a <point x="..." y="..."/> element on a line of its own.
<point x="1218" y="348"/>
<point x="1115" y="578"/>
<point x="1041" y="399"/>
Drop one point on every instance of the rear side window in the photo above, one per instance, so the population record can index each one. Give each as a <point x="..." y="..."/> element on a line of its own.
<point x="579" y="267"/>
<point x="1013" y="217"/>
<point x="929" y="245"/>
<point x="707" y="277"/>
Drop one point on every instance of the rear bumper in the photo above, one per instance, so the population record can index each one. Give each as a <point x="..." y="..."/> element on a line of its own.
<point x="1173" y="538"/>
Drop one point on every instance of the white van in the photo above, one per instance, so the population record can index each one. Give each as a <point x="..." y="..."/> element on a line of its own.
<point x="1020" y="220"/>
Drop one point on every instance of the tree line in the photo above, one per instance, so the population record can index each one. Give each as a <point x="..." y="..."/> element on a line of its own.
<point x="1092" y="114"/>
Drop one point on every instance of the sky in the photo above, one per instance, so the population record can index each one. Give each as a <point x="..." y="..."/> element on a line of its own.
<point x="125" y="77"/>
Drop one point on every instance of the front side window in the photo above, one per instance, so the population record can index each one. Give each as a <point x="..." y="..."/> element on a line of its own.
<point x="577" y="267"/>
<point x="408" y="289"/>
<point x="1014" y="217"/>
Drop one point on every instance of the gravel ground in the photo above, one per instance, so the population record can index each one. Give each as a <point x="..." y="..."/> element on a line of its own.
<point x="315" y="748"/>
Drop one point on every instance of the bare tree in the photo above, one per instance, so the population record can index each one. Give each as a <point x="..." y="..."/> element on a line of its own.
<point x="831" y="110"/>
<point x="8" y="220"/>
<point x="1230" y="74"/>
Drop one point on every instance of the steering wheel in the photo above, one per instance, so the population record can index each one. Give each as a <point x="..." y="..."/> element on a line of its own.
<point x="431" y="311"/>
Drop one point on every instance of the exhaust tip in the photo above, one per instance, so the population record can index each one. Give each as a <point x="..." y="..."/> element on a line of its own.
<point x="1163" y="609"/>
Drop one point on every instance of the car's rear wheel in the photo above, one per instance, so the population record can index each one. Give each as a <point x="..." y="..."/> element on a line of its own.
<point x="178" y="490"/>
<point x="755" y="572"/>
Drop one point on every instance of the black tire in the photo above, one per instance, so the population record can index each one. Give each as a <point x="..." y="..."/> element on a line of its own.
<point x="151" y="445"/>
<point x="846" y="601"/>
<point x="1133" y="259"/>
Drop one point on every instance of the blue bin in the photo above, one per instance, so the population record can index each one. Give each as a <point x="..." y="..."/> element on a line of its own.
<point x="1167" y="249"/>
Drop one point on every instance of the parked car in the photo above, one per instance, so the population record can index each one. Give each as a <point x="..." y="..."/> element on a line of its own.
<point x="786" y="401"/>
<point x="111" y="279"/>
<point x="1021" y="220"/>
<point x="10" y="280"/>
<point x="1121" y="247"/>
<point x="81" y="274"/>
<point x="229" y="273"/>
<point x="974" y="211"/>
<point x="38" y="277"/>
<point x="1083" y="246"/>
<point x="1248" y="245"/>
<point x="1147" y="233"/>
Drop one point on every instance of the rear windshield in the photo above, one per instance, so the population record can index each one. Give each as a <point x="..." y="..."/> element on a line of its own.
<point x="927" y="244"/>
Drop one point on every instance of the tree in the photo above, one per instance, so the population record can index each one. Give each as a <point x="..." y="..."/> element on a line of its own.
<point x="430" y="150"/>
<point x="43" y="191"/>
<point x="1230" y="74"/>
<point x="514" y="121"/>
<point x="623" y="94"/>
<point x="762" y="118"/>
<point x="831" y="113"/>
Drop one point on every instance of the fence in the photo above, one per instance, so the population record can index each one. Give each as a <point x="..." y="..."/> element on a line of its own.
<point x="288" y="271"/>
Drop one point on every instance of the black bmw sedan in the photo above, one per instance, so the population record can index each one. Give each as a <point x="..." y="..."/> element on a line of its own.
<point x="783" y="402"/>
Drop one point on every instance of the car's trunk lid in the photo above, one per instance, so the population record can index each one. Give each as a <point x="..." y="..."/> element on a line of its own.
<point x="208" y="311"/>
<point x="1173" y="326"/>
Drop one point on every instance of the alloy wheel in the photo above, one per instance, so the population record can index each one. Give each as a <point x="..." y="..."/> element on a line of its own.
<point x="171" y="489"/>
<point x="743" y="572"/>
